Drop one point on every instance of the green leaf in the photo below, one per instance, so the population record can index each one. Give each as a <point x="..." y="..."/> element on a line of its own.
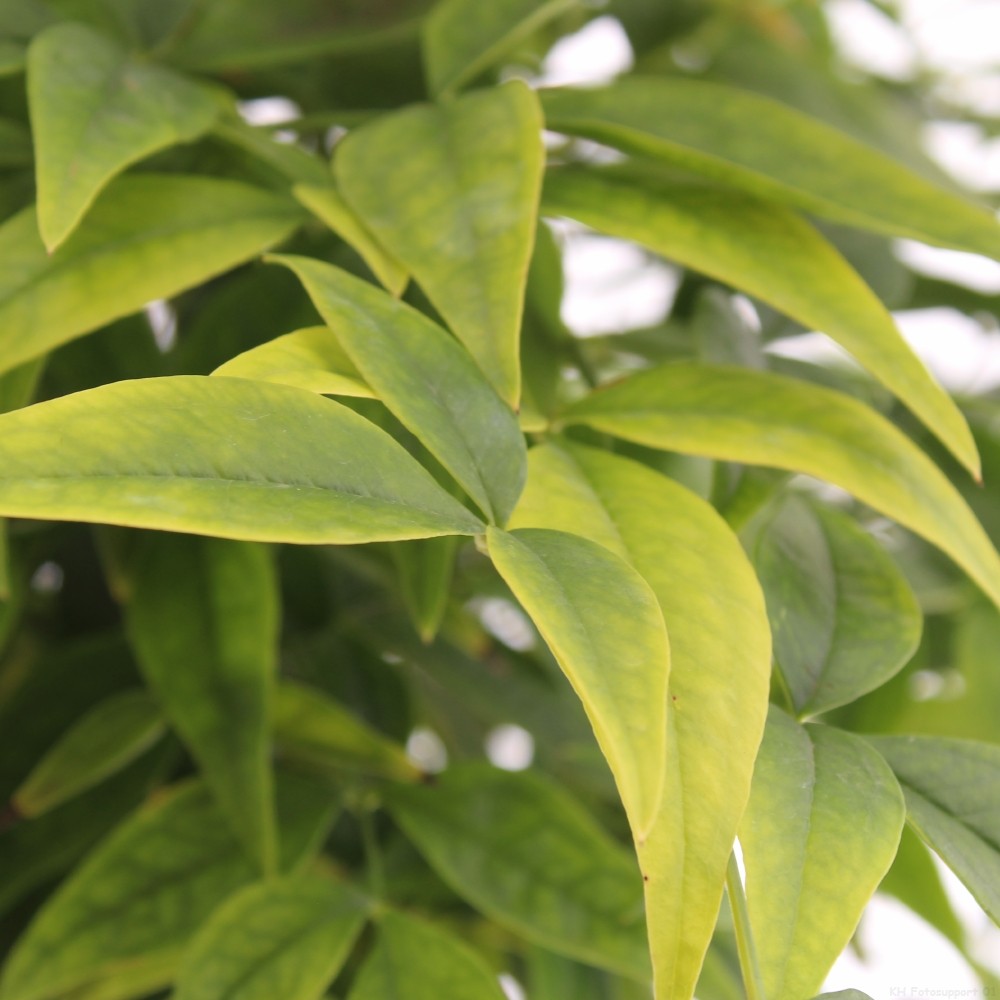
<point x="424" y="569"/>
<point x="765" y="419"/>
<point x="415" y="960"/>
<point x="462" y="38"/>
<point x="952" y="790"/>
<point x="13" y="57"/>
<point x="203" y="620"/>
<point x="147" y="237"/>
<point x="843" y="617"/>
<point x="719" y="676"/>
<point x="452" y="192"/>
<point x="768" y="149"/>
<point x="844" y="995"/>
<point x="311" y="359"/>
<point x="771" y="253"/>
<point x="327" y="204"/>
<point x="427" y="380"/>
<point x="519" y="849"/>
<point x="95" y="110"/>
<point x="105" y="740"/>
<point x="215" y="456"/>
<point x="316" y="732"/>
<point x="605" y="628"/>
<point x="285" y="938"/>
<point x="821" y="829"/>
<point x="15" y="144"/>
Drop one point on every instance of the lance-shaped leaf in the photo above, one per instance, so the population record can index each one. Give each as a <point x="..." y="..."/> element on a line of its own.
<point x="452" y="191"/>
<point x="424" y="571"/>
<point x="286" y="938"/>
<point x="768" y="149"/>
<point x="462" y="38"/>
<point x="94" y="110"/>
<point x="312" y="359"/>
<point x="605" y="629"/>
<point x="821" y="829"/>
<point x="843" y="617"/>
<point x="952" y="790"/>
<point x="110" y="736"/>
<point x="147" y="237"/>
<point x="763" y="249"/>
<point x="765" y="419"/>
<point x="415" y="960"/>
<point x="225" y="457"/>
<point x="427" y="380"/>
<point x="208" y="649"/>
<point x="719" y="676"/>
<point x="519" y="849"/>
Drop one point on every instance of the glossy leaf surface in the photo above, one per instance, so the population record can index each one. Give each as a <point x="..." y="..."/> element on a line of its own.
<point x="820" y="831"/>
<point x="225" y="457"/>
<point x="474" y="166"/>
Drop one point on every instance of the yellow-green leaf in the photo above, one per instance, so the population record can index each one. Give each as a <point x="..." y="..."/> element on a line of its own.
<point x="452" y="192"/>
<point x="604" y="627"/>
<point x="770" y="252"/>
<point x="761" y="418"/>
<point x="769" y="149"/>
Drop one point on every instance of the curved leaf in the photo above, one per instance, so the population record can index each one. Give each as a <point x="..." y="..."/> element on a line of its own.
<point x="224" y="457"/>
<point x="474" y="167"/>
<point x="147" y="237"/>
<point x="94" y="111"/>
<point x="774" y="255"/>
<point x="285" y="938"/>
<point x="519" y="849"/>
<point x="605" y="629"/>
<point x="821" y="829"/>
<point x="765" y="419"/>
<point x="719" y="676"/>
<point x="427" y="380"/>
<point x="769" y="149"/>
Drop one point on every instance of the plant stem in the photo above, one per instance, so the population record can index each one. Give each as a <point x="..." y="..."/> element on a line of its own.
<point x="744" y="937"/>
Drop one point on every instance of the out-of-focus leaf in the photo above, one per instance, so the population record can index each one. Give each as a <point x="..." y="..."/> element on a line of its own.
<point x="771" y="253"/>
<point x="452" y="191"/>
<point x="843" y="617"/>
<point x="605" y="628"/>
<point x="13" y="57"/>
<point x="15" y="144"/>
<point x="771" y="150"/>
<point x="225" y="457"/>
<point x="106" y="739"/>
<point x="427" y="380"/>
<point x="764" y="419"/>
<point x="146" y="237"/>
<point x="424" y="568"/>
<point x="521" y="850"/>
<point x="820" y="831"/>
<point x="95" y="110"/>
<point x="844" y="995"/>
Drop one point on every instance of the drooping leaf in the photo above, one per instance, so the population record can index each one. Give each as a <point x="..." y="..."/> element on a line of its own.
<point x="519" y="849"/>
<point x="311" y="359"/>
<point x="215" y="456"/>
<point x="424" y="569"/>
<point x="719" y="676"/>
<point x="106" y="739"/>
<point x="203" y="620"/>
<point x="765" y="419"/>
<point x="452" y="192"/>
<point x="318" y="733"/>
<point x="415" y="960"/>
<point x="461" y="38"/>
<point x="843" y="617"/>
<point x="427" y="380"/>
<point x="146" y="237"/>
<point x="605" y="628"/>
<point x="286" y="938"/>
<point x="94" y="110"/>
<point x="763" y="249"/>
<point x="820" y="831"/>
<point x="327" y="204"/>
<point x="952" y="790"/>
<point x="771" y="150"/>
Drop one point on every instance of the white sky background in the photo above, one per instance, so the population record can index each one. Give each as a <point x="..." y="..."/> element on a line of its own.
<point x="611" y="286"/>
